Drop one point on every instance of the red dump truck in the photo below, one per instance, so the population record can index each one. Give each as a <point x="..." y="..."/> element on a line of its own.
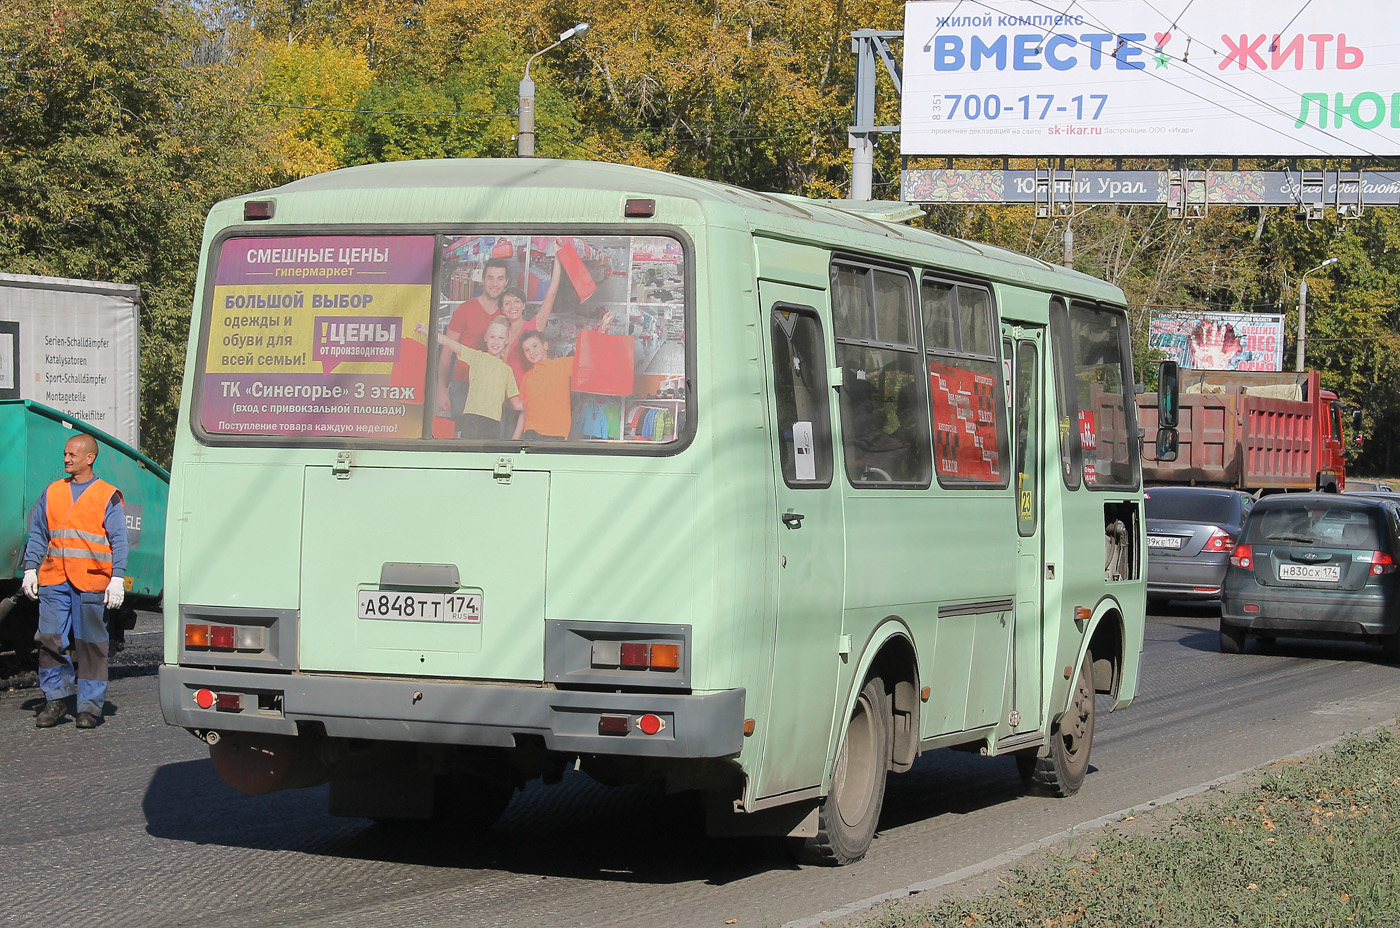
<point x="1254" y="431"/>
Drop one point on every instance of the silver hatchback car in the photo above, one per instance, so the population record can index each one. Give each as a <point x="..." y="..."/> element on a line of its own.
<point x="1190" y="534"/>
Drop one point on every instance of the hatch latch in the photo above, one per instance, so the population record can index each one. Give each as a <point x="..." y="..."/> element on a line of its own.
<point x="504" y="467"/>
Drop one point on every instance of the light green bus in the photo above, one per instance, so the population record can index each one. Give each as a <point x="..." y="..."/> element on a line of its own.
<point x="489" y="469"/>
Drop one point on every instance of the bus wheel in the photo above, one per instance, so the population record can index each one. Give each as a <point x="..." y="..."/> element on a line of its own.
<point x="1059" y="767"/>
<point x="850" y="812"/>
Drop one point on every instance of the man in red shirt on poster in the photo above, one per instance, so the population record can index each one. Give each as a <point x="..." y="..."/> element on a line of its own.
<point x="466" y="327"/>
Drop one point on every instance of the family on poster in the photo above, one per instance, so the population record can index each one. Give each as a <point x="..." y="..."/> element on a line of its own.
<point x="506" y="372"/>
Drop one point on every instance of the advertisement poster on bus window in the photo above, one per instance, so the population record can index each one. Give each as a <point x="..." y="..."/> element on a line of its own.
<point x="318" y="336"/>
<point x="556" y="337"/>
<point x="1089" y="444"/>
<point x="1212" y="341"/>
<point x="965" y="431"/>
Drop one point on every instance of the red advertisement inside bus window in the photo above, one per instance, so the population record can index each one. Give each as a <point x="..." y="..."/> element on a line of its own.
<point x="1088" y="440"/>
<point x="965" y="423"/>
<point x="318" y="336"/>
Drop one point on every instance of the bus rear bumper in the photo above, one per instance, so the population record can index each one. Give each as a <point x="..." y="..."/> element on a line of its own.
<point x="453" y="712"/>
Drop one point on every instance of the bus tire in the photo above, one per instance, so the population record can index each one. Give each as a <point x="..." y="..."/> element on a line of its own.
<point x="850" y="812"/>
<point x="1058" y="768"/>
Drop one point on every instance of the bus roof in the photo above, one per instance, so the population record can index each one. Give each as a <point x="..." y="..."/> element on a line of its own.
<point x="860" y="225"/>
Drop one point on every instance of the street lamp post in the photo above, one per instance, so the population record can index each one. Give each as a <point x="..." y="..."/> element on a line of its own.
<point x="525" y="131"/>
<point x="1303" y="310"/>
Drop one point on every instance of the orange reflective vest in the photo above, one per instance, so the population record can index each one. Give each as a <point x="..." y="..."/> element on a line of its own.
<point x="79" y="549"/>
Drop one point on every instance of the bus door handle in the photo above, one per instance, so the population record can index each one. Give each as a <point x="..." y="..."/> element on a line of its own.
<point x="793" y="519"/>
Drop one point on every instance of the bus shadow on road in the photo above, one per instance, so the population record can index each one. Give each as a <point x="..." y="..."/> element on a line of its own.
<point x="577" y="829"/>
<point x="580" y="829"/>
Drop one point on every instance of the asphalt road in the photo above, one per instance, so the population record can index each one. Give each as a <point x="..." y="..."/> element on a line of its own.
<point x="129" y="825"/>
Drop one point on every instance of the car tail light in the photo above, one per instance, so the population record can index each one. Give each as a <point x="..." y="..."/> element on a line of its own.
<point x="1381" y="563"/>
<point x="1243" y="556"/>
<point x="222" y="637"/>
<point x="1219" y="540"/>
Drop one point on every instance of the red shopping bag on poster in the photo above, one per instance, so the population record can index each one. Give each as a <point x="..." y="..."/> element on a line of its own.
<point x="604" y="364"/>
<point x="576" y="270"/>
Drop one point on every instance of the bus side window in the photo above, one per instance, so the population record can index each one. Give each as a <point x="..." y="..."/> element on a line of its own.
<point x="965" y="385"/>
<point x="800" y="397"/>
<point x="884" y="406"/>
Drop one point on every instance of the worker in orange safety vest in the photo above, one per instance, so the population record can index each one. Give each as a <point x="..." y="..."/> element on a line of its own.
<point x="75" y="566"/>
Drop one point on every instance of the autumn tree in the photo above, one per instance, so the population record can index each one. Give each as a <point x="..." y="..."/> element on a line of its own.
<point x="118" y="130"/>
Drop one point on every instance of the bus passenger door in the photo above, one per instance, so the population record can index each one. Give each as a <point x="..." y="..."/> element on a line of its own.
<point x="808" y="530"/>
<point x="1022" y="350"/>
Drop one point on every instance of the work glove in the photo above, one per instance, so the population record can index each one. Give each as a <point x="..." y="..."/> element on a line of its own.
<point x="30" y="584"/>
<point x="116" y="592"/>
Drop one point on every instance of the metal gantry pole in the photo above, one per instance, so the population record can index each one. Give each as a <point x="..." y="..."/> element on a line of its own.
<point x="868" y="45"/>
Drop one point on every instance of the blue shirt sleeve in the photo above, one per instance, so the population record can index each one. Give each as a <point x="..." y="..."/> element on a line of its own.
<point x="115" y="524"/>
<point x="38" y="546"/>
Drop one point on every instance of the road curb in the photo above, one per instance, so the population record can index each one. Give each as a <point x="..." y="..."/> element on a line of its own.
<point x="1007" y="858"/>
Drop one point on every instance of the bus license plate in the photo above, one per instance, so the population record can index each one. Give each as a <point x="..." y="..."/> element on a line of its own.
<point x="1164" y="541"/>
<point x="420" y="606"/>
<point x="1315" y="573"/>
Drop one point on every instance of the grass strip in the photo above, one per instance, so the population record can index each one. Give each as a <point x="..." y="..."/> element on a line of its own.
<point x="1314" y="842"/>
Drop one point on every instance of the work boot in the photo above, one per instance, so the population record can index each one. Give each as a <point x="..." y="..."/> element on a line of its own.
<point x="89" y="720"/>
<point x="49" y="716"/>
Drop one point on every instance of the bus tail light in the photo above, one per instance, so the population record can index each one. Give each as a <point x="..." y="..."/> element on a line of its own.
<point x="614" y="724"/>
<point x="636" y="655"/>
<point x="224" y="702"/>
<point x="1219" y="540"/>
<point x="665" y="657"/>
<point x="204" y="637"/>
<point x="1243" y="556"/>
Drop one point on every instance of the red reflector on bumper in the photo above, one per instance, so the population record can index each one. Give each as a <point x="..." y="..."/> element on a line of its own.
<point x="204" y="699"/>
<point x="229" y="702"/>
<point x="614" y="724"/>
<point x="650" y="724"/>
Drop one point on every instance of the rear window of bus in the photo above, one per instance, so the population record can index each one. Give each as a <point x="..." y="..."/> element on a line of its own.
<point x="528" y="337"/>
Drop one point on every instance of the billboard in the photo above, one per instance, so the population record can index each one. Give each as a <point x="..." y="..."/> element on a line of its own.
<point x="72" y="345"/>
<point x="1122" y="77"/>
<point x="1215" y="341"/>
